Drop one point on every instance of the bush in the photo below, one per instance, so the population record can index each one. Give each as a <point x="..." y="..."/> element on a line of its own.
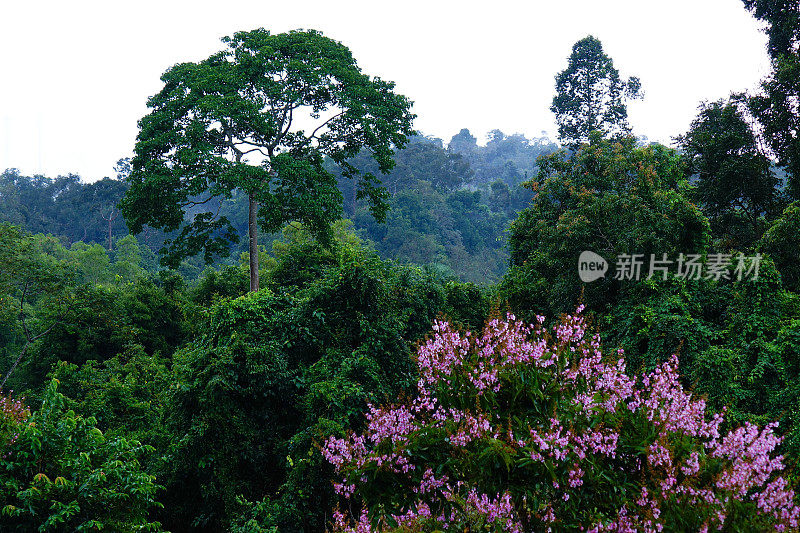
<point x="60" y="473"/>
<point x="518" y="430"/>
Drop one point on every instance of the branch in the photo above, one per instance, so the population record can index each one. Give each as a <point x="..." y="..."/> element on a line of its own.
<point x="111" y="216"/>
<point x="287" y="110"/>
<point x="247" y="142"/>
<point x="254" y="150"/>
<point x="314" y="133"/>
<point x="192" y="203"/>
<point x="610" y="245"/>
<point x="29" y="340"/>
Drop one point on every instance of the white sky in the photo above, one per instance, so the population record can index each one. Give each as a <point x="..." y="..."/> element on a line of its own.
<point x="75" y="76"/>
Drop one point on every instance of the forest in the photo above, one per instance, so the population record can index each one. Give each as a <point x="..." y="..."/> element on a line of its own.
<point x="257" y="326"/>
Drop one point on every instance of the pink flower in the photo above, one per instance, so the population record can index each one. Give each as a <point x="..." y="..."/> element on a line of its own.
<point x="561" y="414"/>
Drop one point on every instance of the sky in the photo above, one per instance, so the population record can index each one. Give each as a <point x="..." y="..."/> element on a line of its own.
<point x="75" y="76"/>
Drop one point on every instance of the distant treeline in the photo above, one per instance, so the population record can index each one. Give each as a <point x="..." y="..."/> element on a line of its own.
<point x="450" y="205"/>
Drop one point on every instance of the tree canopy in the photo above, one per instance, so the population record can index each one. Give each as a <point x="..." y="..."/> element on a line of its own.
<point x="590" y="95"/>
<point x="776" y="107"/>
<point x="363" y="382"/>
<point x="610" y="198"/>
<point x="735" y="182"/>
<point x="259" y="117"/>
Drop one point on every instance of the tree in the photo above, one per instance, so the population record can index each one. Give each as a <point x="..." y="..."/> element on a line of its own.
<point x="514" y="429"/>
<point x="734" y="178"/>
<point x="277" y="371"/>
<point x="260" y="116"/>
<point x="777" y="106"/>
<point x="426" y="159"/>
<point x="591" y="96"/>
<point x="29" y="276"/>
<point x="64" y="206"/>
<point x="463" y="141"/>
<point x="610" y="198"/>
<point x="782" y="242"/>
<point x="511" y="158"/>
<point x="783" y="17"/>
<point x="500" y="197"/>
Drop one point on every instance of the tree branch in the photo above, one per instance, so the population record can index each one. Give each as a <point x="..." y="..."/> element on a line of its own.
<point x="314" y="133"/>
<point x="192" y="203"/>
<point x="254" y="150"/>
<point x="29" y="339"/>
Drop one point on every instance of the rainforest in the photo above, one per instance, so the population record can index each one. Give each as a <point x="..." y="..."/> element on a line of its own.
<point x="291" y="311"/>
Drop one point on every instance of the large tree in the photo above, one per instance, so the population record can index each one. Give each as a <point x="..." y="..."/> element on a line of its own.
<point x="777" y="107"/>
<point x="590" y="95"/>
<point x="611" y="198"/>
<point x="735" y="184"/>
<point x="260" y="116"/>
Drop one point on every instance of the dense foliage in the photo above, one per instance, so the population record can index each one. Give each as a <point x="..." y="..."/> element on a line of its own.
<point x="735" y="184"/>
<point x="61" y="473"/>
<point x="776" y="106"/>
<point x="610" y="198"/>
<point x="449" y="209"/>
<point x="63" y="206"/>
<point x="276" y="371"/>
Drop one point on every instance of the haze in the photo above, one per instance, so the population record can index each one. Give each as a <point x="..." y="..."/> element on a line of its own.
<point x="76" y="76"/>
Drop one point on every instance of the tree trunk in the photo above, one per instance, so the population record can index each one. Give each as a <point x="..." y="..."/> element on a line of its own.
<point x="252" y="228"/>
<point x="10" y="370"/>
<point x="110" y="220"/>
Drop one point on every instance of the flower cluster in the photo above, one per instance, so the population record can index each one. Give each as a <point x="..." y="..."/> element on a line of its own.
<point x="12" y="413"/>
<point x="520" y="429"/>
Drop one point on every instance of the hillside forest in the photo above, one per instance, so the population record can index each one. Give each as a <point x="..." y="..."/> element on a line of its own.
<point x="255" y="326"/>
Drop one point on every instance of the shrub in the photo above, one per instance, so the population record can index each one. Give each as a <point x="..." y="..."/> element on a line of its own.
<point x="59" y="472"/>
<point x="516" y="429"/>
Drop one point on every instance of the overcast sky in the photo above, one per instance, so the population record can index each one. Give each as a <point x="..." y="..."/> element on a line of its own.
<point x="75" y="76"/>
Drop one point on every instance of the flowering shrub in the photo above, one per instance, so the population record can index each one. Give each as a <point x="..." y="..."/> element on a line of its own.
<point x="516" y="430"/>
<point x="13" y="412"/>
